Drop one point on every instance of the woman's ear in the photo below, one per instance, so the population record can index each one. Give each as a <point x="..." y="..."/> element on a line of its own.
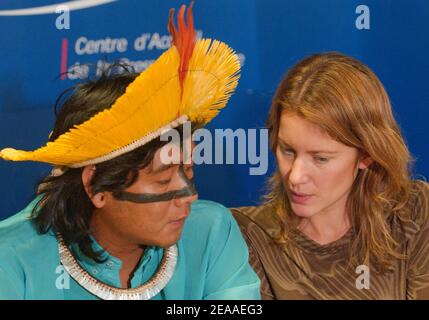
<point x="365" y="161"/>
<point x="98" y="200"/>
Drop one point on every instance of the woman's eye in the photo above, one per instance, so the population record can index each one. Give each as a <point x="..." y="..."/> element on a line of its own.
<point x="321" y="159"/>
<point x="287" y="151"/>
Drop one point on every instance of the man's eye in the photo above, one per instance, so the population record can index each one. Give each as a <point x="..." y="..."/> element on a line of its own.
<point x="164" y="182"/>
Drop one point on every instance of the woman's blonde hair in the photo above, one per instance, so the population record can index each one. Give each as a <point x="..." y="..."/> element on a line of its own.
<point x="345" y="98"/>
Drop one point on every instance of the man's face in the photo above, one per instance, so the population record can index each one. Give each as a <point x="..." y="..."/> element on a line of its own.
<point x="157" y="223"/>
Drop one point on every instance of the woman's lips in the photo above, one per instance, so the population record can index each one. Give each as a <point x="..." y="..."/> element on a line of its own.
<point x="300" y="198"/>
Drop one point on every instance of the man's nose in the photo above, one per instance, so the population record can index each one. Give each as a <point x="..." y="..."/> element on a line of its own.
<point x="186" y="200"/>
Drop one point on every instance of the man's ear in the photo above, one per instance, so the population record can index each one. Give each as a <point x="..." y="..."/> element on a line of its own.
<point x="365" y="161"/>
<point x="99" y="199"/>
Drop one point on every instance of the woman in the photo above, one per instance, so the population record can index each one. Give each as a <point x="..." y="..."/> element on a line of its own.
<point x="343" y="218"/>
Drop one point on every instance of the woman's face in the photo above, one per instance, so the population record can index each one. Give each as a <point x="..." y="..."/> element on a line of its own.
<point x="317" y="171"/>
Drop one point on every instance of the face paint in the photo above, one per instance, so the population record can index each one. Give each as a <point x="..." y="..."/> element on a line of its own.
<point x="188" y="190"/>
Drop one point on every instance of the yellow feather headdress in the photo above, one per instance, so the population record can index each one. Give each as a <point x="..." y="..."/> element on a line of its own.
<point x="191" y="81"/>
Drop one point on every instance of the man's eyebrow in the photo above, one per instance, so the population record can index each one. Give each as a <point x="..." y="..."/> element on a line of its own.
<point x="285" y="144"/>
<point x="163" y="167"/>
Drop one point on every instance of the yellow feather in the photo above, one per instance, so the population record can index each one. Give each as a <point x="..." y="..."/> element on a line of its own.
<point x="212" y="77"/>
<point x="142" y="109"/>
<point x="151" y="101"/>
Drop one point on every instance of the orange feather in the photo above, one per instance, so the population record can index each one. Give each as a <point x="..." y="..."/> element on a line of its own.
<point x="184" y="38"/>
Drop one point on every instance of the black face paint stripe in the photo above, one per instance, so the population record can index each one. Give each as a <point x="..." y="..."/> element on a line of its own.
<point x="187" y="191"/>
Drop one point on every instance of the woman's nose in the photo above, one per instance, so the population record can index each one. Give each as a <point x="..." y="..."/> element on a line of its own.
<point x="298" y="172"/>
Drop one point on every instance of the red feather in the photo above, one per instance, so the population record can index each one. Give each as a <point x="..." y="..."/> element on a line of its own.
<point x="184" y="38"/>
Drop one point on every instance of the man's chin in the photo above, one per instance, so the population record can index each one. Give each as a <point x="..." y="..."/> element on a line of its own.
<point x="171" y="241"/>
<point x="167" y="238"/>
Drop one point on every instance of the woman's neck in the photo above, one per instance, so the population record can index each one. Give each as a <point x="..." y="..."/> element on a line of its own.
<point x="325" y="227"/>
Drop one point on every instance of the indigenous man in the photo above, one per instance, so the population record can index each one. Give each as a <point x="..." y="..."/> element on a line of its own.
<point x="114" y="220"/>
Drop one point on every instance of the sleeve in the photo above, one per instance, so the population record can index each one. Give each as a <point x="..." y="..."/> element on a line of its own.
<point x="11" y="283"/>
<point x="418" y="249"/>
<point x="229" y="275"/>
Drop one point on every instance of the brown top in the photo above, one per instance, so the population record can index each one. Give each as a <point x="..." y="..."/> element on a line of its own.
<point x="305" y="269"/>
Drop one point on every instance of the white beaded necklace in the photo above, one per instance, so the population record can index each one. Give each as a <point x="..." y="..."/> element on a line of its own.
<point x="107" y="292"/>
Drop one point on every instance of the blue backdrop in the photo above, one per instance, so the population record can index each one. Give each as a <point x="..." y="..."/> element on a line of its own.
<point x="391" y="36"/>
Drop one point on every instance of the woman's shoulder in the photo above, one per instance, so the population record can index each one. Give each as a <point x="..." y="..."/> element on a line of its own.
<point x="261" y="219"/>
<point x="420" y="197"/>
<point x="418" y="202"/>
<point x="414" y="216"/>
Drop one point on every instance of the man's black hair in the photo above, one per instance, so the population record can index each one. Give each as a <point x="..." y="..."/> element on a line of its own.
<point x="64" y="205"/>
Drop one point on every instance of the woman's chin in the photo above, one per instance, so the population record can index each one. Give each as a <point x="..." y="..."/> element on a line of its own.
<point x="302" y="211"/>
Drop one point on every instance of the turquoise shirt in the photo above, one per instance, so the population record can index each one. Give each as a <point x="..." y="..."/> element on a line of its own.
<point x="212" y="261"/>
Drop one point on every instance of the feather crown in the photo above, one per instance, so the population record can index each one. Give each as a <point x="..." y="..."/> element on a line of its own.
<point x="191" y="81"/>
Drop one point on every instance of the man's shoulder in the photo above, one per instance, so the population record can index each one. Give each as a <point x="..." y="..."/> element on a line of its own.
<point x="28" y="260"/>
<point x="18" y="231"/>
<point x="207" y="218"/>
<point x="17" y="226"/>
<point x="209" y="208"/>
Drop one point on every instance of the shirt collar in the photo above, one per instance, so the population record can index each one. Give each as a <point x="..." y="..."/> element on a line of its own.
<point x="108" y="270"/>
